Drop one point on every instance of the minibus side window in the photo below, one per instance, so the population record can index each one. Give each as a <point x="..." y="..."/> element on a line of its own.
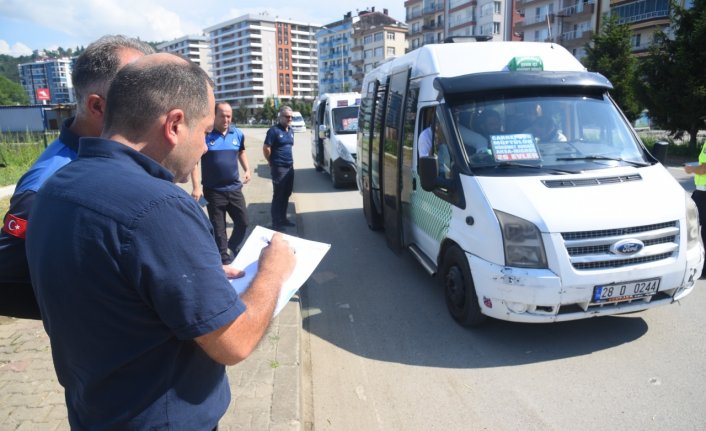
<point x="425" y="140"/>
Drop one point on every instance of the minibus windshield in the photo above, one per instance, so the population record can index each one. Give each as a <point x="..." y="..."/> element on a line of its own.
<point x="345" y="120"/>
<point x="562" y="133"/>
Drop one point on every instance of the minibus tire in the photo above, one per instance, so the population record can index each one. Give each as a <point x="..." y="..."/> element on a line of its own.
<point x="459" y="290"/>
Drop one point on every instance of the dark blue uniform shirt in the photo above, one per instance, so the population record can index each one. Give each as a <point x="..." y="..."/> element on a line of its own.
<point x="13" y="260"/>
<point x="126" y="275"/>
<point x="281" y="142"/>
<point x="219" y="165"/>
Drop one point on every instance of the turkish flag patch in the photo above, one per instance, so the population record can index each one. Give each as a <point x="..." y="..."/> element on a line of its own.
<point x="15" y="226"/>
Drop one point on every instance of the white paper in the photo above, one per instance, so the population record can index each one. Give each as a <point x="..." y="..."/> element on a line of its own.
<point x="307" y="253"/>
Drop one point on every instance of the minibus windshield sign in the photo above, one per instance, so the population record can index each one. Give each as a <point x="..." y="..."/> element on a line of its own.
<point x="519" y="146"/>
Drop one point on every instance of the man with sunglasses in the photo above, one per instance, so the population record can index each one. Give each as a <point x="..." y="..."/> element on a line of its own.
<point x="278" y="152"/>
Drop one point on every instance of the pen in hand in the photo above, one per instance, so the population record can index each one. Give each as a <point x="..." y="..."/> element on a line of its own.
<point x="268" y="242"/>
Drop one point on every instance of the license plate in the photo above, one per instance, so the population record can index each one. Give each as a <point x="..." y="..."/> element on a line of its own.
<point x="626" y="291"/>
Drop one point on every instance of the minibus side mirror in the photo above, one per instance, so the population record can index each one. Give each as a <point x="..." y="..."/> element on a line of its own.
<point x="323" y="132"/>
<point x="428" y="172"/>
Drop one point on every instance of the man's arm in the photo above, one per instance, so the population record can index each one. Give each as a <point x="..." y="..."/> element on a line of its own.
<point x="698" y="170"/>
<point x="235" y="341"/>
<point x="267" y="151"/>
<point x="196" y="192"/>
<point x="246" y="166"/>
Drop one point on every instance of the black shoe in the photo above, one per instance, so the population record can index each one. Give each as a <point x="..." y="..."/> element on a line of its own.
<point x="278" y="228"/>
<point x="288" y="223"/>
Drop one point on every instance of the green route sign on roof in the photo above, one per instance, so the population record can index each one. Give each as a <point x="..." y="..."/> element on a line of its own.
<point x="526" y="64"/>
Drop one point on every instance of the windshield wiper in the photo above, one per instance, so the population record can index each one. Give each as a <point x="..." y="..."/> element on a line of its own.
<point x="614" y="159"/>
<point x="525" y="165"/>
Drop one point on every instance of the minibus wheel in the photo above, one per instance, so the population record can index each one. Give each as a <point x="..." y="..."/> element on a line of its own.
<point x="459" y="290"/>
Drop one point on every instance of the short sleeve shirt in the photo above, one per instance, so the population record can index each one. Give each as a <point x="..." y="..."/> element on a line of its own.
<point x="281" y="142"/>
<point x="126" y="275"/>
<point x="219" y="165"/>
<point x="13" y="259"/>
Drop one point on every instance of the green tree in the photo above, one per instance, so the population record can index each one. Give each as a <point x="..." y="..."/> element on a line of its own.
<point x="241" y="113"/>
<point x="610" y="55"/>
<point x="673" y="86"/>
<point x="269" y="112"/>
<point x="12" y="93"/>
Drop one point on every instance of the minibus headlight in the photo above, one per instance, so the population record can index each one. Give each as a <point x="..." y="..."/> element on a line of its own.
<point x="692" y="222"/>
<point x="522" y="242"/>
<point x="343" y="152"/>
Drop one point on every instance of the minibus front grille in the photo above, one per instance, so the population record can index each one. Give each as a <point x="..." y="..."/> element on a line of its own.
<point x="589" y="250"/>
<point x="583" y="182"/>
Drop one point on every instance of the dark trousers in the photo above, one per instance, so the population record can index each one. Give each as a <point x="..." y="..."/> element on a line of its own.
<point x="282" y="186"/>
<point x="233" y="204"/>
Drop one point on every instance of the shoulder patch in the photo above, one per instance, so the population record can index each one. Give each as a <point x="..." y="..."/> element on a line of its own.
<point x="15" y="226"/>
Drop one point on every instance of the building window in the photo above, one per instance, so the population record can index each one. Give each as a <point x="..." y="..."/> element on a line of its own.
<point x="378" y="37"/>
<point x="496" y="28"/>
<point x="378" y="52"/>
<point x="390" y="35"/>
<point x="635" y="42"/>
<point x="390" y="51"/>
<point x="368" y="39"/>
<point x="368" y="53"/>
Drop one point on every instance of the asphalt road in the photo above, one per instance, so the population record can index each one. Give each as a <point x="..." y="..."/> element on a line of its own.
<point x="381" y="352"/>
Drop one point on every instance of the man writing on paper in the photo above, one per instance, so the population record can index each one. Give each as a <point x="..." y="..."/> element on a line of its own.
<point x="132" y="292"/>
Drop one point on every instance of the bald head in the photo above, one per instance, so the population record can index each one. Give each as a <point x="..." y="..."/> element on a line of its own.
<point x="150" y="87"/>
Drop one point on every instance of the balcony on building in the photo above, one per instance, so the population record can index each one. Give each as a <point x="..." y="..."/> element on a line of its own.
<point x="534" y="20"/>
<point x="576" y="38"/>
<point x="578" y="12"/>
<point x="527" y="4"/>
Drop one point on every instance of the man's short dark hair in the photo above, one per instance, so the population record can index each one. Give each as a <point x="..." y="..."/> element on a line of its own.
<point x="140" y="94"/>
<point x="96" y="67"/>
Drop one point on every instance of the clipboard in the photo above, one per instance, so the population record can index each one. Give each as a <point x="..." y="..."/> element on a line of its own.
<point x="307" y="253"/>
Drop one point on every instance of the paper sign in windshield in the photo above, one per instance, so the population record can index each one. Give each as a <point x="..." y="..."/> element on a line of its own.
<point x="519" y="146"/>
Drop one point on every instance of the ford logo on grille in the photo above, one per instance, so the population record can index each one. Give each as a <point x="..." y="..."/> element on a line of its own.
<point x="627" y="246"/>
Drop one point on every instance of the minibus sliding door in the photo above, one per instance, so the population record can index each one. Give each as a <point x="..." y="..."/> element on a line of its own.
<point x="392" y="159"/>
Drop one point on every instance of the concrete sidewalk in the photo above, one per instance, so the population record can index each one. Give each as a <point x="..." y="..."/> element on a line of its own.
<point x="265" y="387"/>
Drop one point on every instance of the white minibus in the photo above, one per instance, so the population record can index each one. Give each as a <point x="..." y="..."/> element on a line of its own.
<point x="511" y="175"/>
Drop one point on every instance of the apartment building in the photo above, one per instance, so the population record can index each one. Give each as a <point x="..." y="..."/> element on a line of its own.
<point x="350" y="47"/>
<point x="51" y="74"/>
<point x="376" y="36"/>
<point x="573" y="24"/>
<point x="194" y="47"/>
<point x="645" y="18"/>
<point x="255" y="57"/>
<point x="432" y="21"/>
<point x="334" y="42"/>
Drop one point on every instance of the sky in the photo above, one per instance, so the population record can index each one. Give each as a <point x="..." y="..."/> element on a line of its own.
<point x="44" y="24"/>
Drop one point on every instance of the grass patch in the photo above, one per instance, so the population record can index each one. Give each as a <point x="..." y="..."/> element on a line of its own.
<point x="17" y="153"/>
<point x="677" y="150"/>
<point x="4" y="205"/>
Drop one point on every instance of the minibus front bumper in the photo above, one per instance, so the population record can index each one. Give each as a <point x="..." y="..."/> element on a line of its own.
<point x="541" y="296"/>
